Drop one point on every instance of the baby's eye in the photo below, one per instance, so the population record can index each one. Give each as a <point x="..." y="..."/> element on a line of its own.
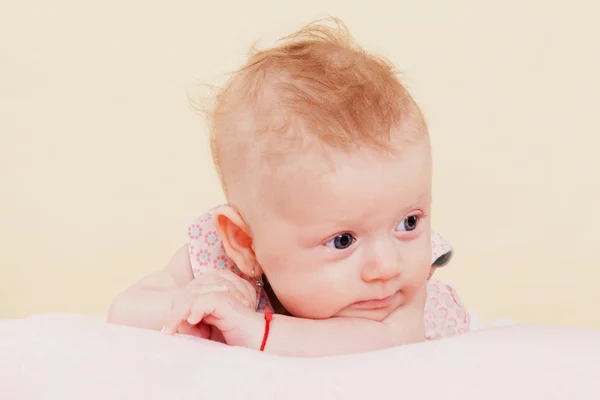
<point x="342" y="241"/>
<point x="409" y="223"/>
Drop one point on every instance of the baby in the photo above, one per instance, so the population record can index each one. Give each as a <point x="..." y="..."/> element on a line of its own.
<point x="325" y="161"/>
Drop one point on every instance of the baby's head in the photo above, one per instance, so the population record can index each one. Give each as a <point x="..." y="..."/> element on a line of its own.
<point x="325" y="161"/>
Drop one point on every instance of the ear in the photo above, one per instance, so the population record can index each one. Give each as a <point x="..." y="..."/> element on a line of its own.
<point x="237" y="241"/>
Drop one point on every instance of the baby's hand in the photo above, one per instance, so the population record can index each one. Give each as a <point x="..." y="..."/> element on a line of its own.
<point x="408" y="320"/>
<point x="223" y="300"/>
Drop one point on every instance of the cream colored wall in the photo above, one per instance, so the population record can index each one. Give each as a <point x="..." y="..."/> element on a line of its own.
<point x="102" y="161"/>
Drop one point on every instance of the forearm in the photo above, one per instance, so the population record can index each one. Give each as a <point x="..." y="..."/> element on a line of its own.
<point x="141" y="308"/>
<point x="299" y="337"/>
<point x="144" y="305"/>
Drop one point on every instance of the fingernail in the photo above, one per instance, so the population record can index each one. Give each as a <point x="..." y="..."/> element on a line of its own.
<point x="163" y="329"/>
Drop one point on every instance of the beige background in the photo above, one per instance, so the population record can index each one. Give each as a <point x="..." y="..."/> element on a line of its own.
<point x="102" y="161"/>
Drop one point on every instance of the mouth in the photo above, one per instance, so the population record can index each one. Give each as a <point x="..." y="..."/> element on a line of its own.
<point x="374" y="304"/>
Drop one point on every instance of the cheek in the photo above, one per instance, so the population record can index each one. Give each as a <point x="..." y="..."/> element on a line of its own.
<point x="306" y="291"/>
<point x="302" y="283"/>
<point x="304" y="296"/>
<point x="420" y="260"/>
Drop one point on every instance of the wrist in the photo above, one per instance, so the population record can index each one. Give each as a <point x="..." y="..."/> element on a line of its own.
<point x="260" y="330"/>
<point x="256" y="330"/>
<point x="268" y="319"/>
<point x="169" y="299"/>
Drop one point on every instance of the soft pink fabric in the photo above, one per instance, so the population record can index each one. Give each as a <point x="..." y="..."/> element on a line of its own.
<point x="445" y="314"/>
<point x="71" y="357"/>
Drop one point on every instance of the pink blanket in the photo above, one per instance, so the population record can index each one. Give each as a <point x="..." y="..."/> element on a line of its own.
<point x="73" y="357"/>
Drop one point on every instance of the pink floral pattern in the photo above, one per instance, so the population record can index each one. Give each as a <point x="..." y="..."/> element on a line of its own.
<point x="203" y="257"/>
<point x="445" y="315"/>
<point x="194" y="231"/>
<point x="212" y="239"/>
<point x="221" y="262"/>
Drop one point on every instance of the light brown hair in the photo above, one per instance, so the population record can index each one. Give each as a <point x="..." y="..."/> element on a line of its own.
<point x="316" y="85"/>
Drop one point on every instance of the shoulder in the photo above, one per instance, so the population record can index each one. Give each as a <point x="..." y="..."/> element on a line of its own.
<point x="445" y="314"/>
<point x="441" y="250"/>
<point x="180" y="267"/>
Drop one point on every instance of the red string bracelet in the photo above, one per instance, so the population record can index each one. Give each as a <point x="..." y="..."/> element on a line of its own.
<point x="268" y="318"/>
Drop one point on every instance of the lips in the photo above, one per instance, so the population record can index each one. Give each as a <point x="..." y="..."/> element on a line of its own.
<point x="375" y="303"/>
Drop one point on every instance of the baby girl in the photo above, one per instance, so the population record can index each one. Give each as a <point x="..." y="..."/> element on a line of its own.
<point x="325" y="161"/>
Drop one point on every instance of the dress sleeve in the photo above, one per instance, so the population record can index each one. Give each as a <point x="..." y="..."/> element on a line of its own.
<point x="445" y="314"/>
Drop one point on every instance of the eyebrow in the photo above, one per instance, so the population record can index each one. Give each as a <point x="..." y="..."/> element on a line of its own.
<point x="424" y="196"/>
<point x="345" y="223"/>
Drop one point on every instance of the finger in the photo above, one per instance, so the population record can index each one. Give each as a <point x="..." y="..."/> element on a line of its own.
<point x="251" y="294"/>
<point x="242" y="285"/>
<point x="201" y="307"/>
<point x="234" y="291"/>
<point x="211" y="320"/>
<point x="203" y="289"/>
<point x="201" y="330"/>
<point x="183" y="312"/>
<point x="210" y="277"/>
<point x="226" y="287"/>
<point x="179" y="312"/>
<point x="213" y="304"/>
<point x="247" y="290"/>
<point x="239" y="296"/>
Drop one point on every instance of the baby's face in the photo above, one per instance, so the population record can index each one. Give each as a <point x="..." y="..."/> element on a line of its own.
<point x="353" y="240"/>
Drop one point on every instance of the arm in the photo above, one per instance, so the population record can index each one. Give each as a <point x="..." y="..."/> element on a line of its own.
<point x="147" y="303"/>
<point x="298" y="337"/>
<point x="309" y="338"/>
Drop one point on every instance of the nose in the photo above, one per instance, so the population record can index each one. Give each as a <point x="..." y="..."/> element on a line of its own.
<point x="382" y="262"/>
